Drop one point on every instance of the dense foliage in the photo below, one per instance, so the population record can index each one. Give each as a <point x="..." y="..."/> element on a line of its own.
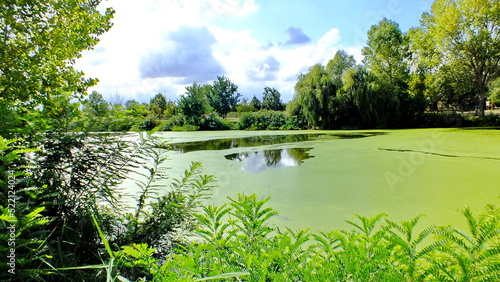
<point x="249" y="248"/>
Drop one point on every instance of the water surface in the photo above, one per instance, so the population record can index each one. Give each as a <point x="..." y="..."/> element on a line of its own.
<point x="403" y="173"/>
<point x="262" y="140"/>
<point x="255" y="162"/>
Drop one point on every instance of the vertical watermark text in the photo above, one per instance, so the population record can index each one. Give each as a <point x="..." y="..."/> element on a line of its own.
<point x="11" y="229"/>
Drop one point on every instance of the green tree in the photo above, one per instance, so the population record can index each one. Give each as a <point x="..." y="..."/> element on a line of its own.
<point x="341" y="107"/>
<point x="495" y="92"/>
<point x="223" y="96"/>
<point x="39" y="43"/>
<point x="158" y="105"/>
<point x="361" y="85"/>
<point x="337" y="66"/>
<point x="136" y="109"/>
<point x="96" y="105"/>
<point x="271" y="100"/>
<point x="245" y="106"/>
<point x="466" y="34"/>
<point x="194" y="104"/>
<point x="313" y="91"/>
<point x="255" y="102"/>
<point x="171" y="109"/>
<point x="386" y="55"/>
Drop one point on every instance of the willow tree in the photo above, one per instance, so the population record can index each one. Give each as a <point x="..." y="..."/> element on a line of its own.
<point x="466" y="35"/>
<point x="339" y="65"/>
<point x="314" y="91"/>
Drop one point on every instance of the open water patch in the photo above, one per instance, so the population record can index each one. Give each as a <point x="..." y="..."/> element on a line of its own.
<point x="262" y="140"/>
<point x="258" y="161"/>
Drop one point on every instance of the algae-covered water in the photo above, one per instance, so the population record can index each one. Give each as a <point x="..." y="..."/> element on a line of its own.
<point x="318" y="179"/>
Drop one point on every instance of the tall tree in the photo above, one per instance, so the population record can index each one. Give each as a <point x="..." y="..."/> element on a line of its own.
<point x="158" y="104"/>
<point x="495" y="92"/>
<point x="193" y="104"/>
<point x="314" y="91"/>
<point x="223" y="96"/>
<point x="39" y="43"/>
<point x="466" y="34"/>
<point x="386" y="55"/>
<point x="255" y="102"/>
<point x="371" y="104"/>
<point x="96" y="105"/>
<point x="271" y="99"/>
<point x="337" y="66"/>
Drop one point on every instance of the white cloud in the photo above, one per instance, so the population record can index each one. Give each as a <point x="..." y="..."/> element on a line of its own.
<point x="249" y="62"/>
<point x="145" y="29"/>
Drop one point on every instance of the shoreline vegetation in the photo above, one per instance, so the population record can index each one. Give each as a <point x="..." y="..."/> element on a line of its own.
<point x="171" y="235"/>
<point x="61" y="208"/>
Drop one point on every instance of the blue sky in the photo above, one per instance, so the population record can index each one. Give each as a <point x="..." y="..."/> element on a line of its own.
<point x="161" y="46"/>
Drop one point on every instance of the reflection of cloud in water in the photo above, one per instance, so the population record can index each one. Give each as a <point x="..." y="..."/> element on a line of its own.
<point x="262" y="140"/>
<point x="256" y="162"/>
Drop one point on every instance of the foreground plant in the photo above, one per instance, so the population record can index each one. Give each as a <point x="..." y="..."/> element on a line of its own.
<point x="239" y="243"/>
<point x="472" y="255"/>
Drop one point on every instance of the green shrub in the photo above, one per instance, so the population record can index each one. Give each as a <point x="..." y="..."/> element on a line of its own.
<point x="263" y="120"/>
<point x="441" y="120"/>
<point x="490" y="120"/>
<point x="122" y="124"/>
<point x="174" y="121"/>
<point x="213" y="122"/>
<point x="458" y="120"/>
<point x="147" y="124"/>
<point x="245" y="108"/>
<point x="186" y="127"/>
<point x="240" y="242"/>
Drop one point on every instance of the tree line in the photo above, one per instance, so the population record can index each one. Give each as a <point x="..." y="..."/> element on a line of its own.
<point x="200" y="107"/>
<point x="450" y="63"/>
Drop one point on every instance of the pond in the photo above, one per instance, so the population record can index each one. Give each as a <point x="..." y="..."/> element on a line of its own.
<point x="318" y="179"/>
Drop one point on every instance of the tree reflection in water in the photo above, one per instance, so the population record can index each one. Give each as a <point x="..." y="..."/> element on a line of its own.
<point x="263" y="140"/>
<point x="256" y="162"/>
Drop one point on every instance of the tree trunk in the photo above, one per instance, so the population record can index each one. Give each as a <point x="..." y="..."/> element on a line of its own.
<point x="481" y="97"/>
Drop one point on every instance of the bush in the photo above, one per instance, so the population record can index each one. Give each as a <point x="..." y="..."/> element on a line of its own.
<point x="239" y="241"/>
<point x="175" y="121"/>
<point x="441" y="120"/>
<point x="485" y="121"/>
<point x="122" y="124"/>
<point x="458" y="120"/>
<point x="186" y="127"/>
<point x="147" y="124"/>
<point x="263" y="120"/>
<point x="245" y="109"/>
<point x="295" y="123"/>
<point x="213" y="122"/>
